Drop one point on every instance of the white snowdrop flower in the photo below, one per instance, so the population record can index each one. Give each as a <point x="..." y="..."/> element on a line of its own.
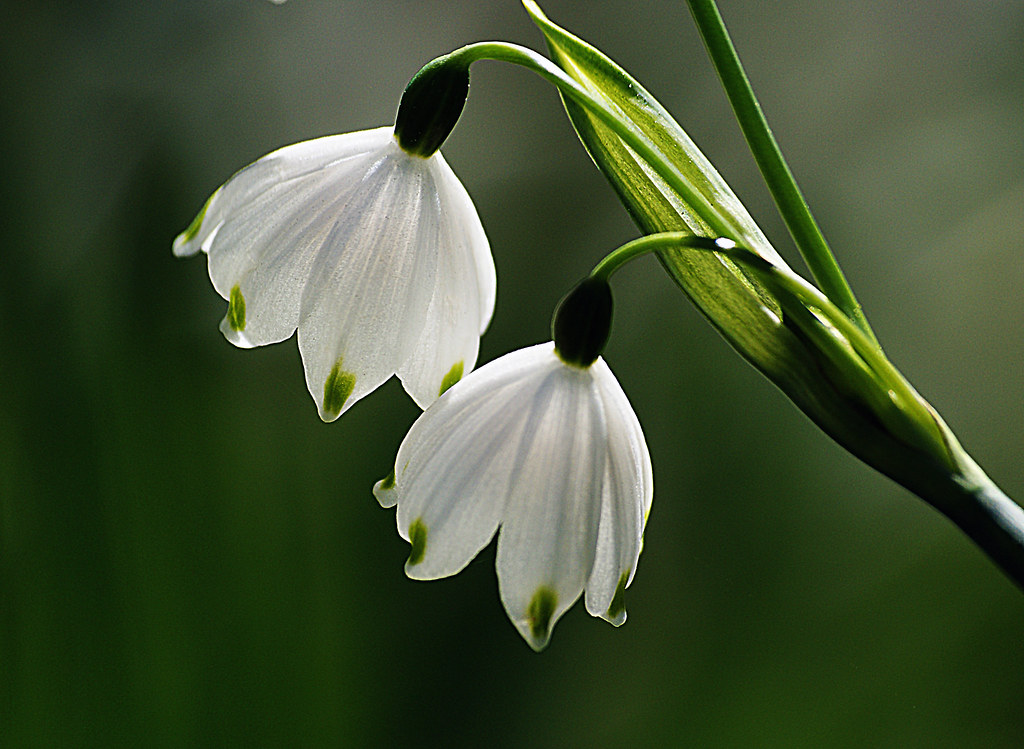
<point x="552" y="453"/>
<point x="373" y="251"/>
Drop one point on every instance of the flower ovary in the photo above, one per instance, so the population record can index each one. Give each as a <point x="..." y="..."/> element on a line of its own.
<point x="582" y="322"/>
<point x="431" y="105"/>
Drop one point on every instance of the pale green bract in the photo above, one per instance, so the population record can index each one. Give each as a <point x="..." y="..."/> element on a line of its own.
<point x="377" y="257"/>
<point x="843" y="383"/>
<point x="551" y="453"/>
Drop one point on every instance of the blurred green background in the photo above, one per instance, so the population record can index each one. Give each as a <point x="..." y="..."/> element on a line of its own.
<point x="188" y="556"/>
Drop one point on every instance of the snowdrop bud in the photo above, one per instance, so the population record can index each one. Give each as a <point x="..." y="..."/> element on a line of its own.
<point x="582" y="322"/>
<point x="431" y="106"/>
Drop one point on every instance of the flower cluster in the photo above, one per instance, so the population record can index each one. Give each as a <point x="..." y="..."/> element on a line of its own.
<point x="369" y="247"/>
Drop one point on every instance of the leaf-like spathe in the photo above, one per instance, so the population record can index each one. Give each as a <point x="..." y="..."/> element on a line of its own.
<point x="795" y="345"/>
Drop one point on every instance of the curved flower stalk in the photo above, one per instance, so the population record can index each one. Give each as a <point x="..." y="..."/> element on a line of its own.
<point x="816" y="346"/>
<point x="375" y="255"/>
<point x="553" y="454"/>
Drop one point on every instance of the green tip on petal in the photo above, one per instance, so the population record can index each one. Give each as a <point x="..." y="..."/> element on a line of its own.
<point x="618" y="605"/>
<point x="190" y="233"/>
<point x="337" y="389"/>
<point x="418" y="539"/>
<point x="236" y="310"/>
<point x="453" y="376"/>
<point x="542" y="608"/>
<point x="384" y="492"/>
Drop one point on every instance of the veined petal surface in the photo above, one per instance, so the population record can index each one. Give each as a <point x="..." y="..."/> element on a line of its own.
<point x="554" y="455"/>
<point x="454" y="469"/>
<point x="625" y="502"/>
<point x="375" y="256"/>
<point x="369" y="288"/>
<point x="463" y="299"/>
<point x="549" y="532"/>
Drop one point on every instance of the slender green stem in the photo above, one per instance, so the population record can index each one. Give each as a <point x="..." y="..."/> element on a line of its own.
<point x="608" y="114"/>
<point x="901" y="391"/>
<point x="956" y="486"/>
<point x="794" y="209"/>
<point x="807" y="293"/>
<point x="791" y="282"/>
<point x="982" y="511"/>
<point x="652" y="243"/>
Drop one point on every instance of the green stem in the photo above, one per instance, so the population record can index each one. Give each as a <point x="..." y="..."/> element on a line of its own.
<point x="653" y="243"/>
<point x="956" y="486"/>
<point x="720" y="223"/>
<point x="982" y="511"/>
<point x="807" y="293"/>
<point x="794" y="209"/>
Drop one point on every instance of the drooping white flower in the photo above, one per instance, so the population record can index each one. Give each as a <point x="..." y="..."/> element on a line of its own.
<point x="375" y="255"/>
<point x="554" y="455"/>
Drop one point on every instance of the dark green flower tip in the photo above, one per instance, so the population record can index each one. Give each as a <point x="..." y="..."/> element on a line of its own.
<point x="538" y="615"/>
<point x="236" y="309"/>
<point x="452" y="378"/>
<point x="582" y="322"/>
<point x="193" y="229"/>
<point x="617" y="609"/>
<point x="337" y="389"/>
<point x="418" y="539"/>
<point x="431" y="105"/>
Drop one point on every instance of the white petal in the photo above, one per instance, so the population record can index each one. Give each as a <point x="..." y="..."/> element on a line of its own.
<point x="625" y="502"/>
<point x="549" y="532"/>
<point x="283" y="233"/>
<point x="462" y="302"/>
<point x="448" y="343"/>
<point x="469" y="233"/>
<point x="264" y="227"/>
<point x="384" y="491"/>
<point x="370" y="286"/>
<point x="284" y="164"/>
<point x="455" y="468"/>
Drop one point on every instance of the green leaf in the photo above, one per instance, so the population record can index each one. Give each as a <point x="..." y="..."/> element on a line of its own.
<point x="738" y="305"/>
<point x="645" y="195"/>
<point x="854" y="365"/>
<point x="846" y="388"/>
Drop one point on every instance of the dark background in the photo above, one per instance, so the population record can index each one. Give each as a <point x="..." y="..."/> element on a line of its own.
<point x="188" y="556"/>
